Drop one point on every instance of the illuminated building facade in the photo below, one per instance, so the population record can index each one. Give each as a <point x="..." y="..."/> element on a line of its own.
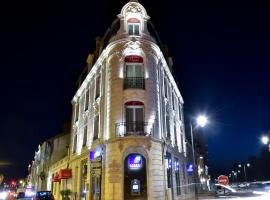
<point x="127" y="137"/>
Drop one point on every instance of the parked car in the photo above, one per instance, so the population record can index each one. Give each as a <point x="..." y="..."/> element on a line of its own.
<point x="260" y="187"/>
<point x="44" y="195"/>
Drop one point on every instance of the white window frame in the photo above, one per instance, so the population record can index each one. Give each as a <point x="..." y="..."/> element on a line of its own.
<point x="133" y="24"/>
<point x="134" y="69"/>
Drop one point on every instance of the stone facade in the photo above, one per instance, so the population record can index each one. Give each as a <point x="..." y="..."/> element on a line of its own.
<point x="127" y="136"/>
<point x="49" y="152"/>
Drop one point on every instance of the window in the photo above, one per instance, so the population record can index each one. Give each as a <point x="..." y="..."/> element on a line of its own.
<point x="168" y="126"/>
<point x="173" y="101"/>
<point x="134" y="117"/>
<point x="97" y="87"/>
<point x="85" y="135"/>
<point x="134" y="26"/>
<point x="96" y="127"/>
<point x="175" y="134"/>
<point x="182" y="142"/>
<point x="77" y="110"/>
<point x="180" y="112"/>
<point x="74" y="143"/>
<point x="184" y="177"/>
<point x="169" y="169"/>
<point x="86" y="103"/>
<point x="177" y="176"/>
<point x="165" y="88"/>
<point x="134" y="77"/>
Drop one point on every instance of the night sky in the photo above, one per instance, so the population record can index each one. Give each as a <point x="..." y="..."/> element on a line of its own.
<point x="220" y="50"/>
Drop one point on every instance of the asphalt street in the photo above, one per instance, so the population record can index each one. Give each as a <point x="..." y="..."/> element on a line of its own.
<point x="261" y="197"/>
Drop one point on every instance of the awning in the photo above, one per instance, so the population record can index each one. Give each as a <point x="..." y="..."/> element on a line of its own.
<point x="65" y="174"/>
<point x="133" y="59"/>
<point x="133" y="20"/>
<point x="56" y="178"/>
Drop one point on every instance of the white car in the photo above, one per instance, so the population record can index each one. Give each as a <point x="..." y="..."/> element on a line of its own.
<point x="223" y="190"/>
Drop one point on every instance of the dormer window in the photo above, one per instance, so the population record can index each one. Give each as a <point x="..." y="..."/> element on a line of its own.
<point x="133" y="26"/>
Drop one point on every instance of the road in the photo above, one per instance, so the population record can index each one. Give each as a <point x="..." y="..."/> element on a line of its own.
<point x="236" y="197"/>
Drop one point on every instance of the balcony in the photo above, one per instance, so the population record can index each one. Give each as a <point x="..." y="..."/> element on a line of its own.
<point x="133" y="128"/>
<point x="134" y="82"/>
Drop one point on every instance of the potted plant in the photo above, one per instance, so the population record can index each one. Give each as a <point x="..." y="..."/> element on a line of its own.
<point x="65" y="194"/>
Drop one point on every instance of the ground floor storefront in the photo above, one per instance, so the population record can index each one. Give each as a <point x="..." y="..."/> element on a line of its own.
<point x="128" y="168"/>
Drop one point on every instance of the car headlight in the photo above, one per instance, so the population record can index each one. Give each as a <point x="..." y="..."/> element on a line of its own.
<point x="3" y="195"/>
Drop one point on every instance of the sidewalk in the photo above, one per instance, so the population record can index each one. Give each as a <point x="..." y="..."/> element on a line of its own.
<point x="206" y="196"/>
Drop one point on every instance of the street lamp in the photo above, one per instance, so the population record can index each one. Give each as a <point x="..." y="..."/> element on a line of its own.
<point x="244" y="166"/>
<point x="265" y="141"/>
<point x="201" y="121"/>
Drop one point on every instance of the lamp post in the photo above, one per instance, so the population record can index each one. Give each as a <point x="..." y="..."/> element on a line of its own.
<point x="244" y="167"/>
<point x="200" y="121"/>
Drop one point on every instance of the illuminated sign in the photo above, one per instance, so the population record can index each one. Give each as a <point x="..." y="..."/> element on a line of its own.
<point x="97" y="153"/>
<point x="190" y="168"/>
<point x="135" y="187"/>
<point x="135" y="162"/>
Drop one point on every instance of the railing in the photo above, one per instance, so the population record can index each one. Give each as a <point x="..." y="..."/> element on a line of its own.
<point x="134" y="82"/>
<point x="133" y="128"/>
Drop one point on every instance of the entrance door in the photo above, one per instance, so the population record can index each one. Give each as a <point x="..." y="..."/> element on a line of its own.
<point x="95" y="187"/>
<point x="135" y="181"/>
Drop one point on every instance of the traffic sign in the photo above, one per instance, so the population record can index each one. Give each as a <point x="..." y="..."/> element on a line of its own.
<point x="223" y="180"/>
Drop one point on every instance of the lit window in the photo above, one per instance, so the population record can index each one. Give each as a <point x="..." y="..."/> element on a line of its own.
<point x="133" y="26"/>
<point x="134" y="117"/>
<point x="134" y="76"/>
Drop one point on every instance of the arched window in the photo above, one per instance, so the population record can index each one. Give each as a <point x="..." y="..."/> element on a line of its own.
<point x="134" y="75"/>
<point x="133" y="26"/>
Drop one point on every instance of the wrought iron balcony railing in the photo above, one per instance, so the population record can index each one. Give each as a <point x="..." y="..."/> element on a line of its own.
<point x="134" y="82"/>
<point x="133" y="128"/>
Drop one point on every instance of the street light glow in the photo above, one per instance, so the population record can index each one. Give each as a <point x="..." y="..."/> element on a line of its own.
<point x="265" y="140"/>
<point x="202" y="121"/>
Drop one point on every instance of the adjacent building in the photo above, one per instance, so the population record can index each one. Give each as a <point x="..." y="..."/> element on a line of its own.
<point x="127" y="133"/>
<point x="49" y="152"/>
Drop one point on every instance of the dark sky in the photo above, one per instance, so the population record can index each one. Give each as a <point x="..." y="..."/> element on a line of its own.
<point x="221" y="59"/>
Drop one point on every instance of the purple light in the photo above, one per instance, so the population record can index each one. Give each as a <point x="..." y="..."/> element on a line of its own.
<point x="135" y="162"/>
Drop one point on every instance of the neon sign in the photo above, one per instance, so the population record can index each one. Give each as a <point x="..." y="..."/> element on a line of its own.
<point x="135" y="162"/>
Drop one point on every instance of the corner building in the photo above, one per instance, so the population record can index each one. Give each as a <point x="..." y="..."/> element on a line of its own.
<point x="128" y="139"/>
